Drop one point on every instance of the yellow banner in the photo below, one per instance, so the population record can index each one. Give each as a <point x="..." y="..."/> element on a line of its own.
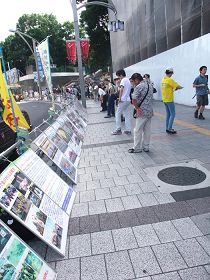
<point x="7" y="114"/>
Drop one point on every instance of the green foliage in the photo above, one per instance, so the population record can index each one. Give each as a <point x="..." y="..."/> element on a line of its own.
<point x="94" y="19"/>
<point x="18" y="54"/>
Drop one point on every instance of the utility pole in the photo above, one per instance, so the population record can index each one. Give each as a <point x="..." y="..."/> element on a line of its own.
<point x="79" y="56"/>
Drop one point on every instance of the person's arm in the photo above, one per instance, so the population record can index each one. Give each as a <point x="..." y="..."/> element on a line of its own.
<point x="120" y="92"/>
<point x="201" y="85"/>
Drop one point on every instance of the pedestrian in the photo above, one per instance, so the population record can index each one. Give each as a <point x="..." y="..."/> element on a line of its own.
<point x="202" y="91"/>
<point x="142" y="102"/>
<point x="110" y="88"/>
<point x="95" y="92"/>
<point x="123" y="104"/>
<point x="148" y="79"/>
<point x="168" y="86"/>
<point x="103" y="98"/>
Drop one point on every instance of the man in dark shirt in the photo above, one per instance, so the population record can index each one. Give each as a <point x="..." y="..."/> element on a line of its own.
<point x="202" y="91"/>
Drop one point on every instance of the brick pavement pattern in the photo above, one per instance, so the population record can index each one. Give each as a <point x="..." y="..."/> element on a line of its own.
<point x="121" y="225"/>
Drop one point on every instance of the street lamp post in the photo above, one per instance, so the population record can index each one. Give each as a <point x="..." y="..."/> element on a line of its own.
<point x="115" y="25"/>
<point x="34" y="52"/>
<point x="79" y="56"/>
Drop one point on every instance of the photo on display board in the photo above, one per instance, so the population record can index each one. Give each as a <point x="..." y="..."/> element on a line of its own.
<point x="6" y="269"/>
<point x="4" y="237"/>
<point x="21" y="207"/>
<point x="14" y="252"/>
<point x="75" y="130"/>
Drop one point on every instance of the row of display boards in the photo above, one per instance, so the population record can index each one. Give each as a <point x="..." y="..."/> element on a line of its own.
<point x="37" y="190"/>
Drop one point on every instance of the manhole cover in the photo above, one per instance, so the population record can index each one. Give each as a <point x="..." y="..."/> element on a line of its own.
<point x="181" y="176"/>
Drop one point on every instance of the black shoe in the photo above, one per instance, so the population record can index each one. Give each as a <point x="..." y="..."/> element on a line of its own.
<point x="108" y="116"/>
<point x="171" y="131"/>
<point x="201" y="117"/>
<point x="196" y="114"/>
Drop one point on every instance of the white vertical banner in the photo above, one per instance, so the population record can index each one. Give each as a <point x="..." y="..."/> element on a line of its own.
<point x="43" y="49"/>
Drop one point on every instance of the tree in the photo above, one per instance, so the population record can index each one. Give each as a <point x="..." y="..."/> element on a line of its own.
<point x="39" y="27"/>
<point x="94" y="19"/>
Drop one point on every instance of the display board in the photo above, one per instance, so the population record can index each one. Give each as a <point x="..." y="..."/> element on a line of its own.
<point x="31" y="206"/>
<point x="48" y="181"/>
<point x="60" y="159"/>
<point x="18" y="261"/>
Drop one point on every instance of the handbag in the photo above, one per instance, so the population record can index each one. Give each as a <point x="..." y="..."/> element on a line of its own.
<point x="139" y="105"/>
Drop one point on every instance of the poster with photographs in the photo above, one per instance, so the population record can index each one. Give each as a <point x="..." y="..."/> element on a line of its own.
<point x="58" y="157"/>
<point x="80" y="136"/>
<point x="76" y="121"/>
<point x="67" y="134"/>
<point x="47" y="180"/>
<point x="81" y="111"/>
<point x="27" y="203"/>
<point x="18" y="261"/>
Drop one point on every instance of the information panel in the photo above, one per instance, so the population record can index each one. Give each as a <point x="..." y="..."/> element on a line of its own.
<point x="18" y="261"/>
<point x="27" y="203"/>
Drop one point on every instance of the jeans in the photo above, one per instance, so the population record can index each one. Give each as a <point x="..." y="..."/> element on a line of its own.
<point x="142" y="133"/>
<point x="111" y="105"/>
<point x="170" y="114"/>
<point x="123" y="107"/>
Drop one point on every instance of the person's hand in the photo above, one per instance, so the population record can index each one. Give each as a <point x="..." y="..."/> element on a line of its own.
<point x="138" y="112"/>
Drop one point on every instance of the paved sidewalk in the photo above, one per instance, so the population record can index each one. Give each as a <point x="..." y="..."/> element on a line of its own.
<point x="122" y="226"/>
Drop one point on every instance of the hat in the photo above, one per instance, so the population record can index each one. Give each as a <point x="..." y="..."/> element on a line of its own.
<point x="169" y="70"/>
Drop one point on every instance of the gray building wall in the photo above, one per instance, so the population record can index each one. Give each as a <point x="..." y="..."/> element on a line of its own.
<point x="154" y="26"/>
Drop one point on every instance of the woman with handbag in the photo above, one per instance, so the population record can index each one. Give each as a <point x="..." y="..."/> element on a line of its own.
<point x="143" y="112"/>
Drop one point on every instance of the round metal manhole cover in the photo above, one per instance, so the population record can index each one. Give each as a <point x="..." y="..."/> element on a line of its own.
<point x="181" y="176"/>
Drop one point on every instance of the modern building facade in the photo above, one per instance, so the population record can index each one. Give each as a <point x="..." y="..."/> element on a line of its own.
<point x="160" y="34"/>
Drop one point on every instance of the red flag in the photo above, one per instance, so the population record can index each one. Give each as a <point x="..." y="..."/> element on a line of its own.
<point x="71" y="51"/>
<point x="85" y="45"/>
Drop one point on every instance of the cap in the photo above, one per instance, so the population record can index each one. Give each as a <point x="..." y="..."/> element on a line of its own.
<point x="169" y="70"/>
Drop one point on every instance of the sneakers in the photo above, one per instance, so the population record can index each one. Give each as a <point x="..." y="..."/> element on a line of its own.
<point x="196" y="114"/>
<point x="127" y="132"/>
<point x="108" y="116"/>
<point x="201" y="117"/>
<point x="171" y="131"/>
<point x="117" y="132"/>
<point x="133" y="151"/>
<point x="146" y="150"/>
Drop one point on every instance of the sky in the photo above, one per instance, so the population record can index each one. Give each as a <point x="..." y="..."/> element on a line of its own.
<point x="12" y="10"/>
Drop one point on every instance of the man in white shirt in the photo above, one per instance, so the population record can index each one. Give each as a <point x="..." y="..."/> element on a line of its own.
<point x="123" y="104"/>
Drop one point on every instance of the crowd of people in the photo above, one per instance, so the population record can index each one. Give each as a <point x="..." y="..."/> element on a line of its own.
<point x="137" y="92"/>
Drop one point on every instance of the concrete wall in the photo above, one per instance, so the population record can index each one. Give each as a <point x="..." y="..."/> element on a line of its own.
<point x="185" y="59"/>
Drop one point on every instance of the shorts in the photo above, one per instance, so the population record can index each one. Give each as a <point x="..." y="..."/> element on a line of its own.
<point x="202" y="100"/>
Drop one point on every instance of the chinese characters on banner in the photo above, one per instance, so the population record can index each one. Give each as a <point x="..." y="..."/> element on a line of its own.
<point x="72" y="53"/>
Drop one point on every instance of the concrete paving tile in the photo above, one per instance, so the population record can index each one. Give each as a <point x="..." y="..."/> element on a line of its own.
<point x="147" y="199"/>
<point x="68" y="269"/>
<point x="132" y="189"/>
<point x="81" y="186"/>
<point x="111" y="174"/>
<point x="130" y="202"/>
<point x="102" y="167"/>
<point x="102" y="242"/>
<point x="109" y="221"/>
<point x="182" y="209"/>
<point x="128" y="218"/>
<point x="165" y="212"/>
<point x="195" y="273"/>
<point x="93" y="268"/>
<point x="98" y="175"/>
<point x="145" y="235"/>
<point x="80" y="209"/>
<point x="186" y="228"/>
<point x="207" y="267"/>
<point x="86" y="196"/>
<point x="121" y="181"/>
<point x="119" y="266"/>
<point x="167" y="276"/>
<point x="118" y="192"/>
<point x="103" y="193"/>
<point x="79" y="246"/>
<point x="201" y="205"/>
<point x="192" y="252"/>
<point x="97" y="207"/>
<point x="168" y="257"/>
<point x="163" y="197"/>
<point x="166" y="232"/>
<point x="202" y="222"/>
<point x="91" y="185"/>
<point x="144" y="262"/>
<point x="73" y="226"/>
<point x="89" y="224"/>
<point x="124" y="239"/>
<point x="84" y="178"/>
<point x="107" y="183"/>
<point x="76" y="200"/>
<point x="123" y="171"/>
<point x="204" y="241"/>
<point x="114" y="205"/>
<point x="134" y="178"/>
<point x="146" y="215"/>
